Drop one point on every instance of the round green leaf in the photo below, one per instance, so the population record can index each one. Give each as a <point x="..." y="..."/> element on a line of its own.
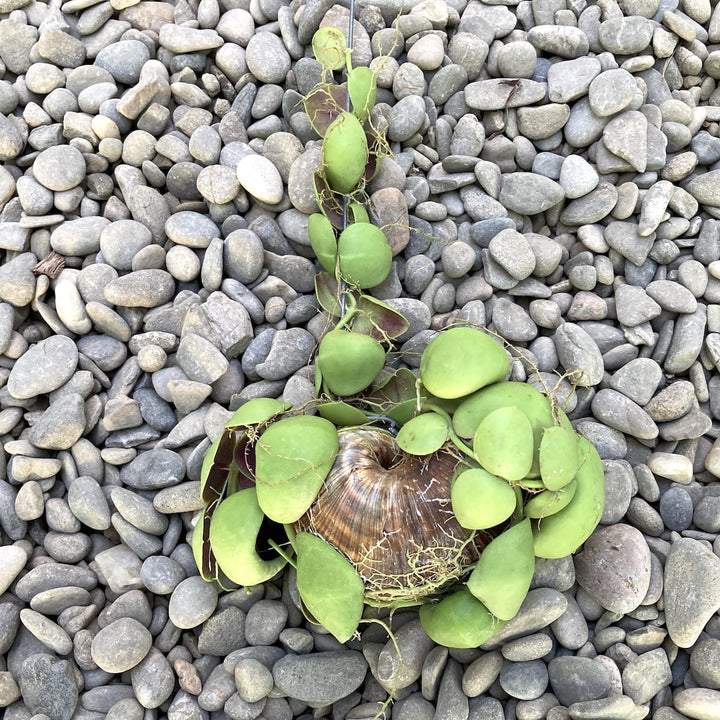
<point x="459" y="620"/>
<point x="322" y="241"/>
<point x="349" y="361"/>
<point x="233" y="536"/>
<point x="365" y="255"/>
<point x="424" y="434"/>
<point x="342" y="413"/>
<point x="362" y="88"/>
<point x="461" y="360"/>
<point x="256" y="411"/>
<point x="558" y="457"/>
<point x="330" y="48"/>
<point x="549" y="502"/>
<point x="565" y="531"/>
<point x="329" y="586"/>
<point x="344" y="153"/>
<point x="292" y="458"/>
<point x="357" y="213"/>
<point x="501" y="578"/>
<point x="481" y="500"/>
<point x="503" y="443"/>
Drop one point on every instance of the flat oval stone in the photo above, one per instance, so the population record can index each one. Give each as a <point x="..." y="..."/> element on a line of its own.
<point x="692" y="590"/>
<point x="260" y="178"/>
<point x="59" y="168"/>
<point x="621" y="413"/>
<point x="528" y="193"/>
<point x="614" y="567"/>
<point x="48" y="686"/>
<point x="153" y="470"/>
<point x="121" y="645"/>
<point x="191" y="229"/>
<point x="192" y="602"/>
<point x="322" y="678"/>
<point x="43" y="368"/>
<point x="141" y="288"/>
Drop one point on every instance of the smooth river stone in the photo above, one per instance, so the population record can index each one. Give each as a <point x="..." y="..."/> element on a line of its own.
<point x="59" y="168"/>
<point x="692" y="590"/>
<point x="260" y="178"/>
<point x="528" y="193"/>
<point x="43" y="368"/>
<point x="142" y="288"/>
<point x="614" y="567"/>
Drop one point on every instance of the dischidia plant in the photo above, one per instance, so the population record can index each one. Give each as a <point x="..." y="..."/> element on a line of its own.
<point x="392" y="489"/>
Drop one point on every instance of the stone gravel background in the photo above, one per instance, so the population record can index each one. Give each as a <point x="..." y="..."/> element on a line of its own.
<point x="555" y="178"/>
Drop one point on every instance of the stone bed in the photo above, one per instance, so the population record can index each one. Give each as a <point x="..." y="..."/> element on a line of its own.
<point x="553" y="178"/>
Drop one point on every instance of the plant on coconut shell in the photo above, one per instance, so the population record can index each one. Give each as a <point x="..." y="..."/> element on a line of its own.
<point x="438" y="489"/>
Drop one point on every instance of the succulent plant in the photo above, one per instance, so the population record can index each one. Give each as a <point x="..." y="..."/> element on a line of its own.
<point x="392" y="488"/>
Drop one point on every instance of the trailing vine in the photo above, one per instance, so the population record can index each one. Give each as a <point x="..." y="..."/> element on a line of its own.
<point x="394" y="488"/>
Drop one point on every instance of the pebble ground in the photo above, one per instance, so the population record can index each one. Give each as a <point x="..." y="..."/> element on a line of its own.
<point x="555" y="177"/>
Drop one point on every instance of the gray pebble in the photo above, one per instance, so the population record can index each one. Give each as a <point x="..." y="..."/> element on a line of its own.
<point x="223" y="632"/>
<point x="692" y="590"/>
<point x="265" y="621"/>
<point x="141" y="288"/>
<point x="48" y="686"/>
<point x="578" y="679"/>
<point x="59" y="168"/>
<point x="153" y="470"/>
<point x="253" y="680"/>
<point x="525" y="680"/>
<point x="43" y="368"/>
<point x="621" y="413"/>
<point x="121" y="645"/>
<point x="320" y="678"/>
<point x="614" y="567"/>
<point x="192" y="602"/>
<point x="161" y="575"/>
<point x="646" y="675"/>
<point x="153" y="679"/>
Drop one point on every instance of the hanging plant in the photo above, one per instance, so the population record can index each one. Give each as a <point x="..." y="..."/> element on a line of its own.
<point x="392" y="488"/>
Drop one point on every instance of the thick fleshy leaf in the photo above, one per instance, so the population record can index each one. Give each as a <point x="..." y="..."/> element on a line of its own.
<point x="214" y="473"/>
<point x="459" y="620"/>
<point x="292" y="457"/>
<point x="402" y="412"/>
<point x="329" y="586"/>
<point x="565" y="531"/>
<point x="481" y="500"/>
<point x="503" y="443"/>
<point x="344" y="153"/>
<point x="501" y="578"/>
<point x="423" y="434"/>
<point x="558" y="457"/>
<point x="461" y="360"/>
<point x="362" y="88"/>
<point x="342" y="414"/>
<point x="531" y="401"/>
<point x="548" y="502"/>
<point x="399" y="386"/>
<point x="234" y="533"/>
<point x="202" y="550"/>
<point x="357" y="213"/>
<point x="323" y="241"/>
<point x="329" y="201"/>
<point x="376" y="150"/>
<point x="378" y="319"/>
<point x="365" y="255"/>
<point x="327" y="291"/>
<point x="256" y="411"/>
<point x="330" y="48"/>
<point x="324" y="104"/>
<point x="349" y="361"/>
